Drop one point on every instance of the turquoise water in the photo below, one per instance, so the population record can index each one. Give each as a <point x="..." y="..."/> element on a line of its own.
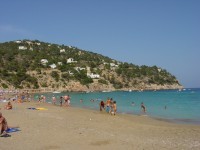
<point x="181" y="106"/>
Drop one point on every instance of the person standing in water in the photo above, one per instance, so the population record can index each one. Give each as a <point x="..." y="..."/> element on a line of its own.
<point x="61" y="100"/>
<point x="54" y="100"/>
<point x="114" y="108"/>
<point x="143" y="107"/>
<point x="102" y="105"/>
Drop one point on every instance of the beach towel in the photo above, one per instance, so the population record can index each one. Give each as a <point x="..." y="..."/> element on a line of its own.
<point x="9" y="130"/>
<point x="32" y="108"/>
<point x="41" y="108"/>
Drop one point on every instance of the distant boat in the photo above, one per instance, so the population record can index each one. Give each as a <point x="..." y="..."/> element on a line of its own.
<point x="56" y="92"/>
<point x="130" y="90"/>
<point x="106" y="91"/>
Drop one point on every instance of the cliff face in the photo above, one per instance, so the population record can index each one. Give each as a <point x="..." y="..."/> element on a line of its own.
<point x="72" y="85"/>
<point x="76" y="86"/>
<point x="48" y="84"/>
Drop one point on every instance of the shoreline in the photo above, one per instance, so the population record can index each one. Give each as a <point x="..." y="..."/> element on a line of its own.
<point x="78" y="128"/>
<point x="51" y="90"/>
<point x="176" y="121"/>
<point x="173" y="121"/>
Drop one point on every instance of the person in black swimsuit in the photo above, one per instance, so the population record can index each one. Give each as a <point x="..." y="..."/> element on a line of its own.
<point x="143" y="107"/>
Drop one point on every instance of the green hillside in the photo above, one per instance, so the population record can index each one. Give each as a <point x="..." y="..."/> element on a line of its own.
<point x="27" y="64"/>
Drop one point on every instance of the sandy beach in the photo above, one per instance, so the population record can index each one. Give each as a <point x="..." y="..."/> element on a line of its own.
<point x="61" y="128"/>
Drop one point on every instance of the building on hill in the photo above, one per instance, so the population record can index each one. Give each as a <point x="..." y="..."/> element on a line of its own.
<point x="18" y="42"/>
<point x="60" y="63"/>
<point x="44" y="61"/>
<point x="53" y="66"/>
<point x="71" y="60"/>
<point x="22" y="47"/>
<point x="62" y="50"/>
<point x="79" y="68"/>
<point x="93" y="76"/>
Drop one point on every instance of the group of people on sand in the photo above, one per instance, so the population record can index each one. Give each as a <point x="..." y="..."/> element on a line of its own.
<point x="109" y="106"/>
<point x="64" y="100"/>
<point x="42" y="99"/>
<point x="17" y="97"/>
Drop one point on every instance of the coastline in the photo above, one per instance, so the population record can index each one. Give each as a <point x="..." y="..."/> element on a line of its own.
<point x="77" y="87"/>
<point x="10" y="95"/>
<point x="77" y="128"/>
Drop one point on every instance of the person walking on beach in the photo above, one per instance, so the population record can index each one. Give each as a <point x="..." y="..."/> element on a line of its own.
<point x="143" y="107"/>
<point x="114" y="108"/>
<point x="111" y="106"/>
<point x="66" y="100"/>
<point x="108" y="105"/>
<point x="102" y="105"/>
<point x="54" y="100"/>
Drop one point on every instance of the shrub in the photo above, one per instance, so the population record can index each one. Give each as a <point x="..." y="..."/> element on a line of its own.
<point x="5" y="86"/>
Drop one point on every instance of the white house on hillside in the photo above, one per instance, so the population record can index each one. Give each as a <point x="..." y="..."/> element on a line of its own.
<point x="159" y="69"/>
<point x="79" y="68"/>
<point x="93" y="76"/>
<point x="53" y="66"/>
<point x="71" y="60"/>
<point x="113" y="65"/>
<point x="60" y="63"/>
<point x="44" y="61"/>
<point x="70" y="73"/>
<point x="18" y="41"/>
<point x="29" y="42"/>
<point x="22" y="47"/>
<point x="62" y="50"/>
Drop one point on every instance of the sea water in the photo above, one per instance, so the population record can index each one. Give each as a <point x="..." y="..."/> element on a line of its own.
<point x="172" y="105"/>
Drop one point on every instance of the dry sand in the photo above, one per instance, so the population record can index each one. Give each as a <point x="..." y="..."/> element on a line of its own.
<point x="60" y="128"/>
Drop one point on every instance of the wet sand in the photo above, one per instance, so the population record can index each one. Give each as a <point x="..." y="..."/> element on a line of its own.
<point x="61" y="128"/>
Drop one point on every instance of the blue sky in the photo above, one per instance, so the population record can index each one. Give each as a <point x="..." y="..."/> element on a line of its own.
<point x="142" y="32"/>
